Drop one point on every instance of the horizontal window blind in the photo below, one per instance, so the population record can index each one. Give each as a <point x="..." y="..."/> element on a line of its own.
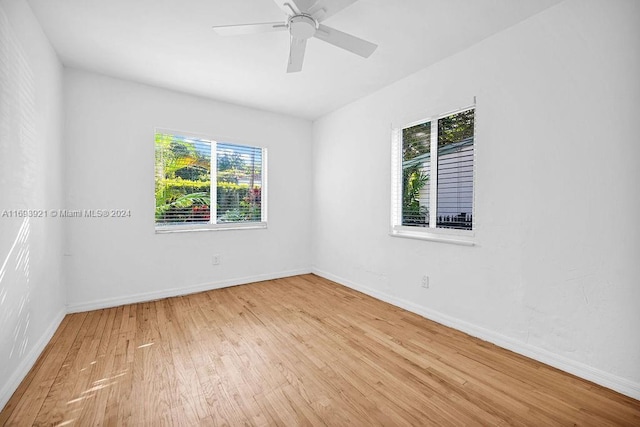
<point x="202" y="181"/>
<point x="183" y="179"/>
<point x="239" y="183"/>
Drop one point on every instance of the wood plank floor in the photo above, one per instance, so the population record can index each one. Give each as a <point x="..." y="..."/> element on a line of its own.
<point x="295" y="351"/>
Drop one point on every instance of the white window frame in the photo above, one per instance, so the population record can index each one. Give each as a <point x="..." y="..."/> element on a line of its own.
<point x="431" y="233"/>
<point x="213" y="225"/>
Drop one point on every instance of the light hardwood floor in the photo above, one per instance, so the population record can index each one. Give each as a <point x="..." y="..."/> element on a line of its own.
<point x="295" y="351"/>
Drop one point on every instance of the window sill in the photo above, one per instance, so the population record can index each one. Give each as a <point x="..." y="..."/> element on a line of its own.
<point x="210" y="227"/>
<point x="455" y="237"/>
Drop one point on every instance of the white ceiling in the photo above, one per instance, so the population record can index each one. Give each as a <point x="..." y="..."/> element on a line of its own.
<point x="170" y="43"/>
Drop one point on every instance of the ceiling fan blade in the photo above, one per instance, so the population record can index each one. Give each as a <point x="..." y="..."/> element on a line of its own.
<point x="235" y="30"/>
<point x="296" y="55"/>
<point x="323" y="9"/>
<point x="345" y="41"/>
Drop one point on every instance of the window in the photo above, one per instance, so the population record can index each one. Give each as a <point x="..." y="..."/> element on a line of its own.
<point x="206" y="184"/>
<point x="433" y="186"/>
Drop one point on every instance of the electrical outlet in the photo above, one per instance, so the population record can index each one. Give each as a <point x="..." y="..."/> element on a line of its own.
<point x="215" y="260"/>
<point x="425" y="281"/>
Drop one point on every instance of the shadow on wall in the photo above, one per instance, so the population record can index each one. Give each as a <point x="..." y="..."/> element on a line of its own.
<point x="18" y="175"/>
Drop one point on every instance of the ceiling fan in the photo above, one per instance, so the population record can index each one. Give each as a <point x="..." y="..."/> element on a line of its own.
<point x="304" y="19"/>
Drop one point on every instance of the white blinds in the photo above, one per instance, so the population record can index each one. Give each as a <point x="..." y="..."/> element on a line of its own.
<point x="202" y="181"/>
<point x="239" y="183"/>
<point x="183" y="179"/>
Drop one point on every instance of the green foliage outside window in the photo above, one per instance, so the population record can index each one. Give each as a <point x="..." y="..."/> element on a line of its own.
<point x="416" y="153"/>
<point x="183" y="181"/>
<point x="416" y="145"/>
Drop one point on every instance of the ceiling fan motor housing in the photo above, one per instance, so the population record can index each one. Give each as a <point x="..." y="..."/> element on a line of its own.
<point x="302" y="26"/>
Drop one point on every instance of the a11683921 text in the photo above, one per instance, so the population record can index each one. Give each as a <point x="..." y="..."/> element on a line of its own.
<point x="65" y="213"/>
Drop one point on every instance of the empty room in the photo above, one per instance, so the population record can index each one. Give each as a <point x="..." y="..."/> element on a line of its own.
<point x="219" y="212"/>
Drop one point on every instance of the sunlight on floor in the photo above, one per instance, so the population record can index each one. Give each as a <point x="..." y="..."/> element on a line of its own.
<point x="77" y="404"/>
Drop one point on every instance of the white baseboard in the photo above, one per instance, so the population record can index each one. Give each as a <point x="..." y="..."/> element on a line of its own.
<point x="29" y="360"/>
<point x="605" y="379"/>
<point x="166" y="293"/>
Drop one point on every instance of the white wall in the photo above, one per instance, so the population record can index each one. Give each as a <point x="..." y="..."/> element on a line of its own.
<point x="554" y="273"/>
<point x="31" y="283"/>
<point x="109" y="132"/>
